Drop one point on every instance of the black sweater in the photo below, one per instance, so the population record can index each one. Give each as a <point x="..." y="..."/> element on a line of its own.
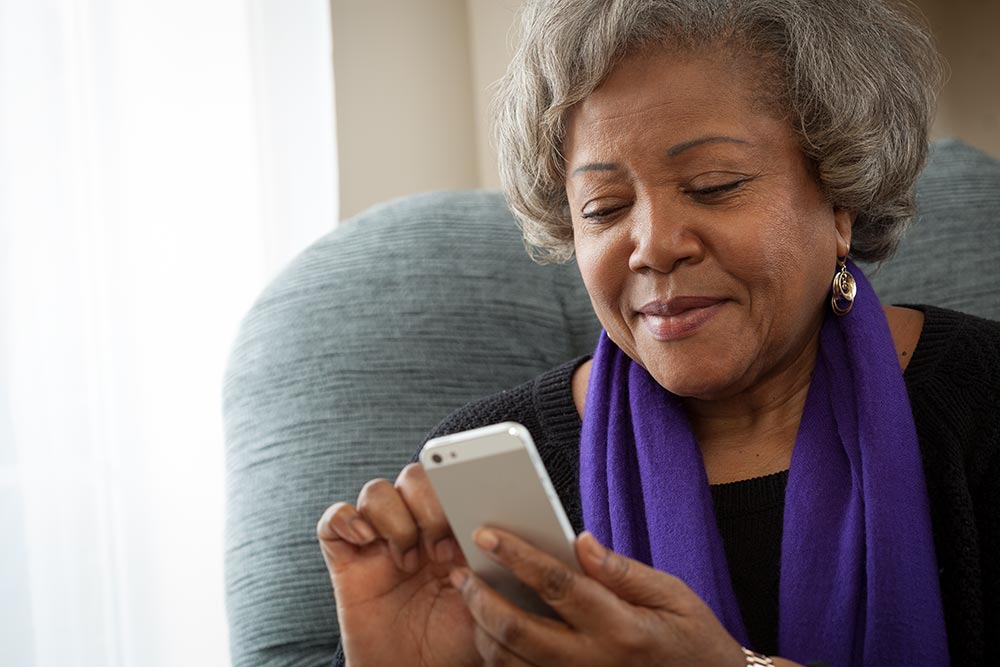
<point x="953" y="382"/>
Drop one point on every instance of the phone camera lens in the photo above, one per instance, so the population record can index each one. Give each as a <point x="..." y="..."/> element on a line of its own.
<point x="436" y="458"/>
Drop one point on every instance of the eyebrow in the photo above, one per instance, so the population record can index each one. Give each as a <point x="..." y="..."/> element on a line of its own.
<point x="597" y="166"/>
<point x="672" y="152"/>
<point x="676" y="150"/>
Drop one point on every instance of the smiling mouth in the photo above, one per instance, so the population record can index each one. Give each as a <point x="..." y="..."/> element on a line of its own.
<point x="679" y="317"/>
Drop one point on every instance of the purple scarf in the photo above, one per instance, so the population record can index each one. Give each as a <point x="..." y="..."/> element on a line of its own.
<point x="859" y="578"/>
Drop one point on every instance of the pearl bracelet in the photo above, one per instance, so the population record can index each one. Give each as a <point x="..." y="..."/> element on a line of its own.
<point x="754" y="658"/>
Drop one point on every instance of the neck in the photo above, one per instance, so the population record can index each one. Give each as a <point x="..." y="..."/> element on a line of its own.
<point x="753" y="432"/>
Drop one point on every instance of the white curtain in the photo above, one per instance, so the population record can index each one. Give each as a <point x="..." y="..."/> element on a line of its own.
<point x="159" y="162"/>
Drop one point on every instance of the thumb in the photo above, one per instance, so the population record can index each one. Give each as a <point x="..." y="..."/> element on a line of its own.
<point x="632" y="581"/>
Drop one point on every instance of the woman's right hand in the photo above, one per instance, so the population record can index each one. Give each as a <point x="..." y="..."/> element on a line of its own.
<point x="389" y="559"/>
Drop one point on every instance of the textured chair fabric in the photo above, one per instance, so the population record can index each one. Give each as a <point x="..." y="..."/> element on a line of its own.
<point x="360" y="347"/>
<point x="401" y="315"/>
<point x="950" y="255"/>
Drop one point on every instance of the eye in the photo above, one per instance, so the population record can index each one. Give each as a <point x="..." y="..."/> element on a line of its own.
<point x="602" y="210"/>
<point x="717" y="192"/>
<point x="601" y="214"/>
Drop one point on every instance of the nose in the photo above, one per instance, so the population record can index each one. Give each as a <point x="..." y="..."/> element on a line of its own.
<point x="663" y="238"/>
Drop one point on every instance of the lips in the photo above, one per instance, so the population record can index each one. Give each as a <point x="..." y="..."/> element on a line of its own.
<point x="679" y="317"/>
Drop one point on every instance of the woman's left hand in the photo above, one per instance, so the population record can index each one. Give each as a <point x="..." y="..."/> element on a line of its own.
<point x="620" y="612"/>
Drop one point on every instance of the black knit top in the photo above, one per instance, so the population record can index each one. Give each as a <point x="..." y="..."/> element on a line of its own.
<point x="953" y="382"/>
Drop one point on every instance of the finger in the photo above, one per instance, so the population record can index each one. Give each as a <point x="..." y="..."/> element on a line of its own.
<point x="341" y="531"/>
<point x="381" y="505"/>
<point x="509" y="630"/>
<point x="341" y="521"/>
<point x="579" y="601"/>
<point x="435" y="531"/>
<point x="630" y="580"/>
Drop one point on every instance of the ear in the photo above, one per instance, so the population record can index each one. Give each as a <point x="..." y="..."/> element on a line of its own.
<point x="843" y="221"/>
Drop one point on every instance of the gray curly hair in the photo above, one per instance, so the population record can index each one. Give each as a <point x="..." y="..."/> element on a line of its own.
<point x="856" y="78"/>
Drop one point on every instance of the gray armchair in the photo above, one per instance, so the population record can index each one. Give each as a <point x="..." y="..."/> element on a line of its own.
<point x="404" y="313"/>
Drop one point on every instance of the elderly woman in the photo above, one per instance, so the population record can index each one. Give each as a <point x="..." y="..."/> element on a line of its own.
<point x="764" y="465"/>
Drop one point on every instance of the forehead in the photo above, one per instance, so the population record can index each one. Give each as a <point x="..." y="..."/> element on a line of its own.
<point x="684" y="94"/>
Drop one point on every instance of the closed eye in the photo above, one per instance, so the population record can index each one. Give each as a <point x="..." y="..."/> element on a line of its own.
<point x="597" y="213"/>
<point x="717" y="191"/>
<point x="601" y="213"/>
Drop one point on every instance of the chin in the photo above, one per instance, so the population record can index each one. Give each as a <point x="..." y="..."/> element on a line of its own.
<point x="701" y="388"/>
<point x="703" y="381"/>
<point x="706" y="374"/>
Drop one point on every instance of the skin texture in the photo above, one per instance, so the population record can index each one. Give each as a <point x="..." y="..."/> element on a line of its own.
<point x="680" y="185"/>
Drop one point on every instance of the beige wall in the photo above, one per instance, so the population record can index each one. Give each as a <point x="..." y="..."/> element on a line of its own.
<point x="405" y="113"/>
<point x="968" y="36"/>
<point x="492" y="34"/>
<point x="413" y="79"/>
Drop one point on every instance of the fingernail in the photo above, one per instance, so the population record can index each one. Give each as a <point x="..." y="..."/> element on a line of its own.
<point x="486" y="539"/>
<point x="593" y="549"/>
<point x="444" y="552"/>
<point x="362" y="530"/>
<point x="458" y="578"/>
<point x="411" y="560"/>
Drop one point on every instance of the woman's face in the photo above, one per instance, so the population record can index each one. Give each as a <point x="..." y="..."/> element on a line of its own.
<point x="701" y="233"/>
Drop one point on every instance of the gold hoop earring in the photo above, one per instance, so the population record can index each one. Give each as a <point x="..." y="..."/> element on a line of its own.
<point x="844" y="289"/>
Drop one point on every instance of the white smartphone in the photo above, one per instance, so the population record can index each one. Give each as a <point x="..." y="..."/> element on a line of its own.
<point x="493" y="476"/>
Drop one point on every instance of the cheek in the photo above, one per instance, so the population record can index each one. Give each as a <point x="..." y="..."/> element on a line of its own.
<point x="597" y="271"/>
<point x="603" y="265"/>
<point x="595" y="258"/>
<point x="793" y="263"/>
<point x="602" y="280"/>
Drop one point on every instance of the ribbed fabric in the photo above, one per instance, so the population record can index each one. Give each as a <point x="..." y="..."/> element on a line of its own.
<point x="749" y="514"/>
<point x="953" y="382"/>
